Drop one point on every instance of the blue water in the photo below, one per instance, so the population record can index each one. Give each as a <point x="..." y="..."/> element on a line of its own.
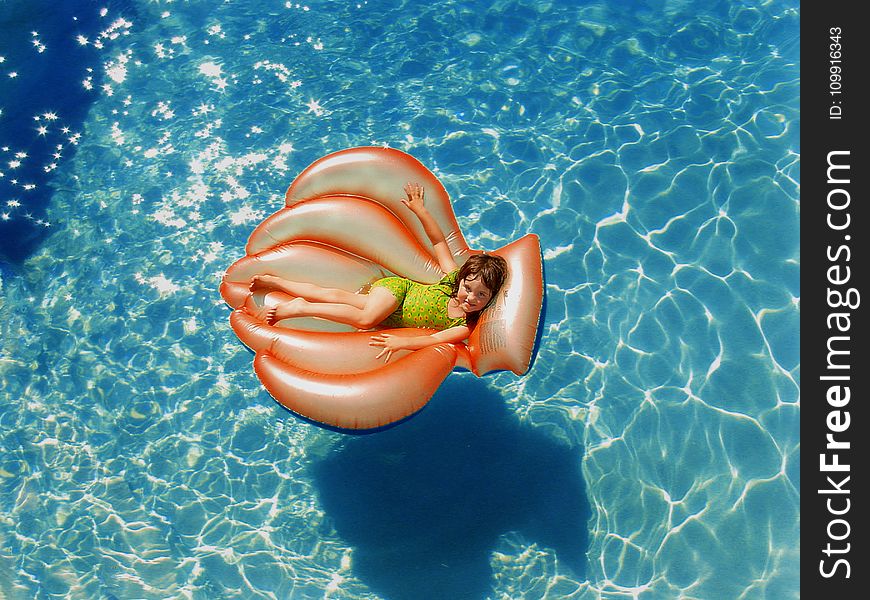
<point x="51" y="72"/>
<point x="651" y="452"/>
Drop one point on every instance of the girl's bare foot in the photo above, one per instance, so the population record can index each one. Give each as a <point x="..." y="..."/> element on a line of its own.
<point x="263" y="282"/>
<point x="261" y="313"/>
<point x="286" y="310"/>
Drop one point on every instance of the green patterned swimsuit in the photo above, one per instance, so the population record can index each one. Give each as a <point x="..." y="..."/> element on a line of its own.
<point x="420" y="305"/>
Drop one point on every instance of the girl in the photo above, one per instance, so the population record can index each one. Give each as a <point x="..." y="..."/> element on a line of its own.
<point x="451" y="306"/>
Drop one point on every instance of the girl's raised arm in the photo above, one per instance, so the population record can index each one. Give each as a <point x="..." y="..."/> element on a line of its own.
<point x="415" y="203"/>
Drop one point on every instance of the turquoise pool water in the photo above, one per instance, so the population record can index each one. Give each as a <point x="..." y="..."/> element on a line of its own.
<point x="651" y="452"/>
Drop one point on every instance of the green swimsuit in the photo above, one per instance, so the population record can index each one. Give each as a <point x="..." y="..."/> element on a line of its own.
<point x="420" y="305"/>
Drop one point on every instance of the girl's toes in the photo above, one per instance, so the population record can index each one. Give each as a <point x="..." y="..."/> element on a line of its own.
<point x="261" y="313"/>
<point x="259" y="282"/>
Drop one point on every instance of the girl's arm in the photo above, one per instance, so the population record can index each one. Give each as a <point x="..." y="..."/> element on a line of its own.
<point x="390" y="343"/>
<point x="430" y="226"/>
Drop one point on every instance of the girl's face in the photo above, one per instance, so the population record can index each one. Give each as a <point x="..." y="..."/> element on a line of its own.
<point x="472" y="295"/>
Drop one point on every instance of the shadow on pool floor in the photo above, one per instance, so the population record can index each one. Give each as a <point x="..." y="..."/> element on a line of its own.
<point x="423" y="504"/>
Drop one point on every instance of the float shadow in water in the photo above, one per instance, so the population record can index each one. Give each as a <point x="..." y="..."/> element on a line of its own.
<point x="423" y="504"/>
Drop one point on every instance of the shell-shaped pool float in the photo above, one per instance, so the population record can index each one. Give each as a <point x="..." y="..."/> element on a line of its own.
<point x="344" y="226"/>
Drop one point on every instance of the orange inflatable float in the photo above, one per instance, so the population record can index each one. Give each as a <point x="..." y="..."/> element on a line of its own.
<point x="344" y="226"/>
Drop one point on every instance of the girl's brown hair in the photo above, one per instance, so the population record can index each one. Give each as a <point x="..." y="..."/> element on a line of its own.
<point x="490" y="269"/>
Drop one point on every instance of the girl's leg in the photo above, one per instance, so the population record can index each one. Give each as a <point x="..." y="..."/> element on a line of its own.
<point x="378" y="305"/>
<point x="309" y="291"/>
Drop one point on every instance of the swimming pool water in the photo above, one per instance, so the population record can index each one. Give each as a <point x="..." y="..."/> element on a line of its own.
<point x="651" y="452"/>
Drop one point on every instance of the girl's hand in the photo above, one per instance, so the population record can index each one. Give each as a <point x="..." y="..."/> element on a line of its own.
<point x="433" y="230"/>
<point x="390" y="343"/>
<point x="415" y="193"/>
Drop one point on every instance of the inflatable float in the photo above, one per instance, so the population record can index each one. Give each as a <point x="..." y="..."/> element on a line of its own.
<point x="344" y="226"/>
